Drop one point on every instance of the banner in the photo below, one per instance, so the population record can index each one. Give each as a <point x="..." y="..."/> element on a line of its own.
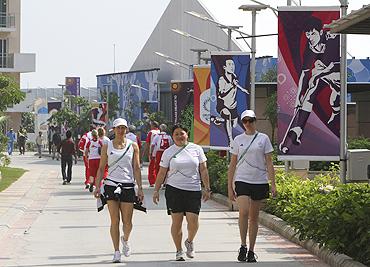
<point x="73" y="85"/>
<point x="202" y="81"/>
<point x="229" y="96"/>
<point x="133" y="90"/>
<point x="308" y="84"/>
<point x="99" y="113"/>
<point x="182" y="96"/>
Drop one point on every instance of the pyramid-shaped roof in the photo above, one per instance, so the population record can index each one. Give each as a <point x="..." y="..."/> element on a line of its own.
<point x="165" y="41"/>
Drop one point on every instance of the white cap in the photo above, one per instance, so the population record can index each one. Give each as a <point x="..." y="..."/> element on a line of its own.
<point x="248" y="113"/>
<point x="119" y="122"/>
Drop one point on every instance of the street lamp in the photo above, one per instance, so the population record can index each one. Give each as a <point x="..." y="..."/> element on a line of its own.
<point x="199" y="53"/>
<point x="254" y="9"/>
<point x="230" y="29"/>
<point x="188" y="35"/>
<point x="63" y="86"/>
<point x="176" y="62"/>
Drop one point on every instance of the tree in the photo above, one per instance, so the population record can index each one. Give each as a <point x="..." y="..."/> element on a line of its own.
<point x="10" y="94"/>
<point x="270" y="75"/>
<point x="28" y="121"/>
<point x="271" y="113"/>
<point x="113" y="103"/>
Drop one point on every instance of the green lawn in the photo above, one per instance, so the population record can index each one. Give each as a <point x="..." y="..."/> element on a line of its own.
<point x="9" y="176"/>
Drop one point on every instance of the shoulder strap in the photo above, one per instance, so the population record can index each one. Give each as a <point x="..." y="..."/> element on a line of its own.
<point x="124" y="153"/>
<point x="245" y="151"/>
<point x="178" y="152"/>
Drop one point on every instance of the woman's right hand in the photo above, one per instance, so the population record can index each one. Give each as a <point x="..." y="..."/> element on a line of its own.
<point x="231" y="193"/>
<point x="97" y="192"/>
<point x="156" y="197"/>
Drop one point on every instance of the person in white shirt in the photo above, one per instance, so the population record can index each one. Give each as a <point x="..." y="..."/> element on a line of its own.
<point x="122" y="157"/>
<point x="184" y="163"/>
<point x="39" y="143"/>
<point x="92" y="152"/>
<point x="250" y="169"/>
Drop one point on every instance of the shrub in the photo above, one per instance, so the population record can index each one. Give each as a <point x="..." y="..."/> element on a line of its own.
<point x="335" y="215"/>
<point x="359" y="143"/>
<point x="217" y="169"/>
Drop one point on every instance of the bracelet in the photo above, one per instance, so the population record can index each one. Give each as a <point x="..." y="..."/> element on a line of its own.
<point x="208" y="190"/>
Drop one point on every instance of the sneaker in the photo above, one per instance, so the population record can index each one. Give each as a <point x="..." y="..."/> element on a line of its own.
<point x="189" y="249"/>
<point x="180" y="255"/>
<point x="91" y="188"/>
<point x="242" y="253"/>
<point x="117" y="257"/>
<point x="251" y="257"/>
<point x="64" y="182"/>
<point x="126" y="247"/>
<point x="87" y="186"/>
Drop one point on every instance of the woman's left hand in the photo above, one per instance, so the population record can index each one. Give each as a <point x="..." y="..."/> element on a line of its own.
<point x="140" y="194"/>
<point x="206" y="195"/>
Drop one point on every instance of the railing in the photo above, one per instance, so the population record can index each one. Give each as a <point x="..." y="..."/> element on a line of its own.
<point x="7" y="21"/>
<point x="7" y="61"/>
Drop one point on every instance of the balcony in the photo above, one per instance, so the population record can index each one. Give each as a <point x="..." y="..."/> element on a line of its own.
<point x="18" y="62"/>
<point x="7" y="23"/>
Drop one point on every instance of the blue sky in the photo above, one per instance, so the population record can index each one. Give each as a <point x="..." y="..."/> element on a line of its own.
<point x="76" y="37"/>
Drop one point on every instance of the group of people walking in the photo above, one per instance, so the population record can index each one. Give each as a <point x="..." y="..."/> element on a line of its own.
<point x="182" y="167"/>
<point x="20" y="138"/>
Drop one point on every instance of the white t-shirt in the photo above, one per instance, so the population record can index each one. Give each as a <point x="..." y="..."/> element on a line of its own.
<point x="183" y="169"/>
<point x="161" y="142"/>
<point x="93" y="147"/>
<point x="131" y="136"/>
<point x="104" y="139"/>
<point x="252" y="168"/>
<point x="121" y="171"/>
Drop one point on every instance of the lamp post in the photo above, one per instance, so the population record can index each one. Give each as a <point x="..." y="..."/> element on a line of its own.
<point x="63" y="86"/>
<point x="176" y="62"/>
<point x="188" y="35"/>
<point x="254" y="9"/>
<point x="199" y="53"/>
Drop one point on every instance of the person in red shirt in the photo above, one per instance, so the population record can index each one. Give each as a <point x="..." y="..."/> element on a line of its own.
<point x="82" y="146"/>
<point x="92" y="152"/>
<point x="148" y="142"/>
<point x="160" y="143"/>
<point x="67" y="150"/>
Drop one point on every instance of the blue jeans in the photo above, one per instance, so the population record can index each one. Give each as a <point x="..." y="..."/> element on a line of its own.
<point x="10" y="147"/>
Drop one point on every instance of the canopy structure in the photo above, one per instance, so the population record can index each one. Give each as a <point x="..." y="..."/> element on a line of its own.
<point x="357" y="22"/>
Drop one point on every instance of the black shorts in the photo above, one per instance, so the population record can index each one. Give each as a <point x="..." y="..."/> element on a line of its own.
<point x="127" y="195"/>
<point x="254" y="191"/>
<point x="178" y="200"/>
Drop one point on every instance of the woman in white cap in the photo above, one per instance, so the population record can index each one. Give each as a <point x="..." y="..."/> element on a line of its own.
<point x="185" y="166"/>
<point x="122" y="156"/>
<point x="249" y="171"/>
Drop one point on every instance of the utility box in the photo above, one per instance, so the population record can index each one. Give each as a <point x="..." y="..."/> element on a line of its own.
<point x="358" y="165"/>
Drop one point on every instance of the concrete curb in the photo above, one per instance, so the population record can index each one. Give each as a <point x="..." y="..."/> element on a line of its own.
<point x="283" y="228"/>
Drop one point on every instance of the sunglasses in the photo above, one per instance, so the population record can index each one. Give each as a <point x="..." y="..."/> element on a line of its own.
<point x="251" y="120"/>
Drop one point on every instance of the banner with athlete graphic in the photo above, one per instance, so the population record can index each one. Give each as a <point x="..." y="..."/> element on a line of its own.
<point x="202" y="77"/>
<point x="99" y="113"/>
<point x="230" y="86"/>
<point x="308" y="84"/>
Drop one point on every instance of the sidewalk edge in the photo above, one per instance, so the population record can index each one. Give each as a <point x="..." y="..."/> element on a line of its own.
<point x="283" y="228"/>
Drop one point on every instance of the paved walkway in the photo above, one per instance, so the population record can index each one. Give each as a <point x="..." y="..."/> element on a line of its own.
<point x="43" y="223"/>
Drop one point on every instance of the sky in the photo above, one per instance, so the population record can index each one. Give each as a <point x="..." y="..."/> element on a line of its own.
<point x="83" y="38"/>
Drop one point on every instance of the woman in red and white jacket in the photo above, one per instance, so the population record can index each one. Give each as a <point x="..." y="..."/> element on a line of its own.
<point x="92" y="152"/>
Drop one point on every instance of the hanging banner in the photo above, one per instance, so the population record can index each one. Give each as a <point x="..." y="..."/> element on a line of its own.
<point x="202" y="81"/>
<point x="137" y="92"/>
<point x="182" y="96"/>
<point x="229" y="96"/>
<point x="54" y="107"/>
<point x="308" y="84"/>
<point x="99" y="113"/>
<point x="73" y="85"/>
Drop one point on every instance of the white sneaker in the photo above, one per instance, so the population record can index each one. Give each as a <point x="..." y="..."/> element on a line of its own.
<point x="117" y="257"/>
<point x="189" y="249"/>
<point x="180" y="255"/>
<point x="126" y="247"/>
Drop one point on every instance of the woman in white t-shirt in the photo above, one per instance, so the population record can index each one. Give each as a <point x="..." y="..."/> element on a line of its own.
<point x="184" y="164"/>
<point x="122" y="157"/>
<point x="250" y="169"/>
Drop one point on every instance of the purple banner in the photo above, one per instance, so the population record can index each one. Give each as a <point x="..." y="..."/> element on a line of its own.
<point x="229" y="95"/>
<point x="308" y="84"/>
<point x="73" y="85"/>
<point x="182" y="96"/>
